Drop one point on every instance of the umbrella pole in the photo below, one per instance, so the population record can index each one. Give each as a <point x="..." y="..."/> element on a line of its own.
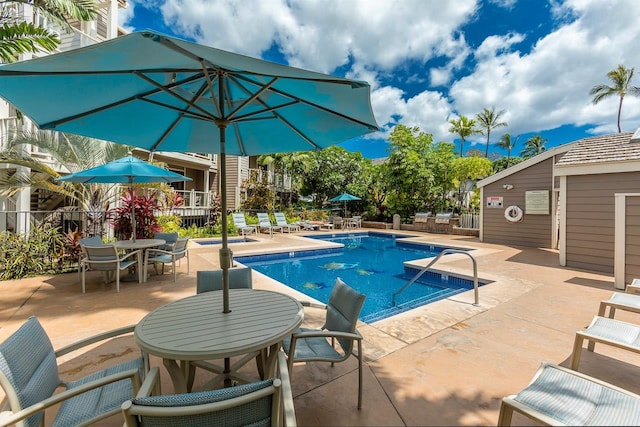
<point x="133" y="209"/>
<point x="225" y="252"/>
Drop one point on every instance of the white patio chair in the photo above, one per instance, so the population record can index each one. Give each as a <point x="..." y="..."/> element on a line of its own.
<point x="241" y="224"/>
<point x="561" y="396"/>
<point x="107" y="259"/>
<point x="264" y="223"/>
<point x="608" y="331"/>
<point x="281" y="220"/>
<point x="29" y="377"/>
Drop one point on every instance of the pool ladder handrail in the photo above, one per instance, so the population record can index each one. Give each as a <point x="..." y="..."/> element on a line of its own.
<point x="433" y="261"/>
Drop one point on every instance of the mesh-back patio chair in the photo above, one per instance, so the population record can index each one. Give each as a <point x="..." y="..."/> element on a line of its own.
<point x="240" y="222"/>
<point x="87" y="241"/>
<point x="263" y="403"/>
<point x="169" y="238"/>
<point x="561" y="396"/>
<point x="160" y="256"/>
<point x="308" y="345"/>
<point x="107" y="259"/>
<point x="211" y="280"/>
<point x="29" y="377"/>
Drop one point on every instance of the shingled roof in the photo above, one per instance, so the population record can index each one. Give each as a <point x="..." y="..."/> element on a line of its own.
<point x="615" y="147"/>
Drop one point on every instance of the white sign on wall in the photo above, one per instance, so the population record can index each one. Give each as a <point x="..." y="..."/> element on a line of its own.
<point x="494" y="202"/>
<point x="536" y="202"/>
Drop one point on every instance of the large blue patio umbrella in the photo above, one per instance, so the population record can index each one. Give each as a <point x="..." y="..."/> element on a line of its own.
<point x="127" y="170"/>
<point x="161" y="93"/>
<point x="344" y="197"/>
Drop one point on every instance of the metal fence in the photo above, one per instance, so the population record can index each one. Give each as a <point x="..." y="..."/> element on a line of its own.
<point x="470" y="221"/>
<point x="96" y="223"/>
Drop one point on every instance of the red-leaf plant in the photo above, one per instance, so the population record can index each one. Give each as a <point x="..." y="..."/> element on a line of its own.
<point x="146" y="222"/>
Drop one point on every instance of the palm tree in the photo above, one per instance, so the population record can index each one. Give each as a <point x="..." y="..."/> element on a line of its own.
<point x="489" y="120"/>
<point x="621" y="78"/>
<point x="464" y="127"/>
<point x="18" y="36"/>
<point x="534" y="146"/>
<point x="508" y="144"/>
<point x="73" y="152"/>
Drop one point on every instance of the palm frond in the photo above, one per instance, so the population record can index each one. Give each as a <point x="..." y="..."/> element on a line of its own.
<point x="22" y="37"/>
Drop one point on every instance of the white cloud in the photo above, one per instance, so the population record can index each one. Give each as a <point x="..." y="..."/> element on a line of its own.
<point x="377" y="41"/>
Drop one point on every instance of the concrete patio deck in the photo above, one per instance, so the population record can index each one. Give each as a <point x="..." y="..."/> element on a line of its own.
<point x="447" y="363"/>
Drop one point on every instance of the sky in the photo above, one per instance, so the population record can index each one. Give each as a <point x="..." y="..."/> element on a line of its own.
<point x="431" y="61"/>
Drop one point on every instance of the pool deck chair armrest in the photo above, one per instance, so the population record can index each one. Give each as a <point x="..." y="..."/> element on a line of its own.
<point x="622" y="301"/>
<point x="561" y="396"/>
<point x="606" y="331"/>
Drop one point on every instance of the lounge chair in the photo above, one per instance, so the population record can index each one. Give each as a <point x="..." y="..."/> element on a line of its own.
<point x="262" y="403"/>
<point x="622" y="301"/>
<point x="561" y="396"/>
<point x="264" y="223"/>
<point x="29" y="376"/>
<point x="241" y="224"/>
<point x="281" y="220"/>
<point x="606" y="331"/>
<point x="308" y="345"/>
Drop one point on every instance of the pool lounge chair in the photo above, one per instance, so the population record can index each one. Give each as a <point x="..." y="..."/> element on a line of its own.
<point x="608" y="331"/>
<point x="621" y="301"/>
<point x="281" y="220"/>
<point x="561" y="396"/>
<point x="264" y="223"/>
<point x="241" y="224"/>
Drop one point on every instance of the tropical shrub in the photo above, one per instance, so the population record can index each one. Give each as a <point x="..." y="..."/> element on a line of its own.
<point x="146" y="223"/>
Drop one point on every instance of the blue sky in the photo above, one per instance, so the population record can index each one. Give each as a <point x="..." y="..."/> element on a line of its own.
<point x="430" y="61"/>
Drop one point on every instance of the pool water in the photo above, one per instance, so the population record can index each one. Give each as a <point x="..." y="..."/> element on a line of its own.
<point x="370" y="263"/>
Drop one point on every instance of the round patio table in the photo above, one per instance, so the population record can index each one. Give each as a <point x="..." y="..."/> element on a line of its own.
<point x="196" y="329"/>
<point x="139" y="244"/>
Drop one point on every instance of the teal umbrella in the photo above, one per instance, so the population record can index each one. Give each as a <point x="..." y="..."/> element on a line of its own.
<point x="344" y="197"/>
<point x="161" y="93"/>
<point x="127" y="170"/>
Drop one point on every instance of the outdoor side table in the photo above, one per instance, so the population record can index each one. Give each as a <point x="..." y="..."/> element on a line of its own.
<point x="196" y="329"/>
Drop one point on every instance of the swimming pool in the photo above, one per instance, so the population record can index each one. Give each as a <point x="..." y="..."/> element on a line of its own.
<point x="219" y="241"/>
<point x="372" y="263"/>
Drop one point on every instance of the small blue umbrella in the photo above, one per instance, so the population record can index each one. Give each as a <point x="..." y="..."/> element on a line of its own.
<point x="345" y="197"/>
<point x="127" y="170"/>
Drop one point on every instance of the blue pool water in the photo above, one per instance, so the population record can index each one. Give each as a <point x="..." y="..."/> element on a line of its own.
<point x="230" y="240"/>
<point x="371" y="263"/>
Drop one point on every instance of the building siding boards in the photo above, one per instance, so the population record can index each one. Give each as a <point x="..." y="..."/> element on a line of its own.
<point x="533" y="230"/>
<point x="632" y="240"/>
<point x="590" y="218"/>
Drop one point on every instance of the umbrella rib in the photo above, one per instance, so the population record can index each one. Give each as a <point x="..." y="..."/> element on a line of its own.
<point x="303" y="101"/>
<point x="53" y="124"/>
<point x="175" y="95"/>
<point x="170" y="45"/>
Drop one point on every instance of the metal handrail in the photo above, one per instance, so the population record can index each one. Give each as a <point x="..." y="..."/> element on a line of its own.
<point x="433" y="261"/>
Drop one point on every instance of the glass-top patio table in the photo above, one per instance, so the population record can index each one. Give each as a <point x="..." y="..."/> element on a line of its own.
<point x="196" y="329"/>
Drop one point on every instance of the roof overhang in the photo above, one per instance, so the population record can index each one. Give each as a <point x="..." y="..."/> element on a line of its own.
<point x="561" y="149"/>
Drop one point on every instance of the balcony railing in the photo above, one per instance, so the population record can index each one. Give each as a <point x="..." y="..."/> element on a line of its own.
<point x="279" y="181"/>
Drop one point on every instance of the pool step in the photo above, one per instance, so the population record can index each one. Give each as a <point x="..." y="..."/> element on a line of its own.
<point x="411" y="304"/>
